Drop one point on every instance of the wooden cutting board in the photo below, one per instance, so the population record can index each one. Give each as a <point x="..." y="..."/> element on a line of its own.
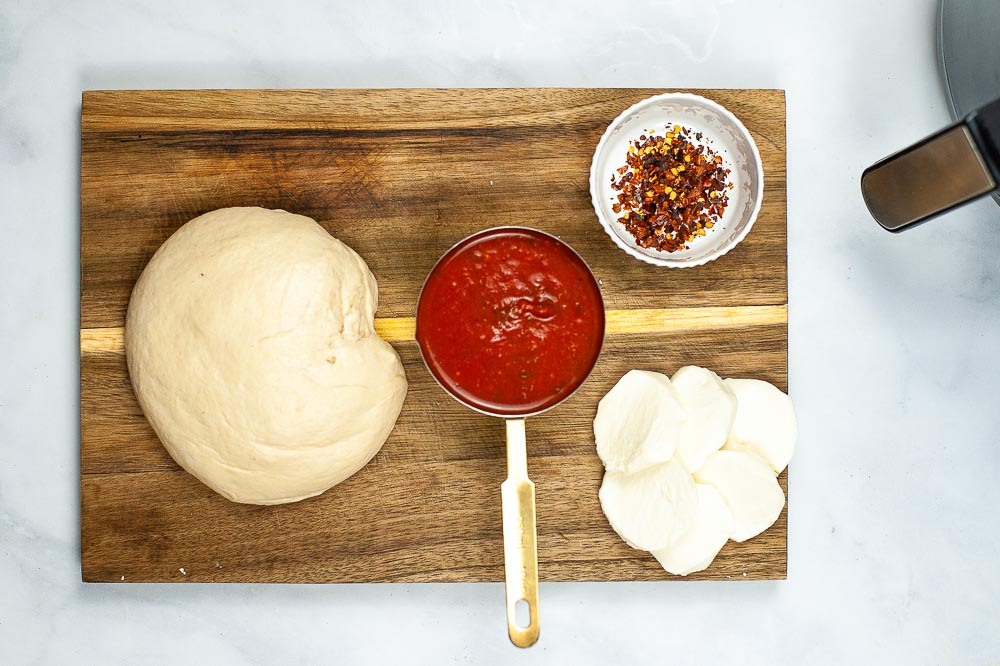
<point x="400" y="175"/>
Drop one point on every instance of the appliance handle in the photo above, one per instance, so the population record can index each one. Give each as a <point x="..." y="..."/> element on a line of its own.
<point x="937" y="174"/>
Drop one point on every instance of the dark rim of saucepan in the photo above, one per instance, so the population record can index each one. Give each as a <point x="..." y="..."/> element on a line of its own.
<point x="597" y="288"/>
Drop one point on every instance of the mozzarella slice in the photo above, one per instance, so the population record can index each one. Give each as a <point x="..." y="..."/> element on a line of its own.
<point x="710" y="408"/>
<point x="765" y="422"/>
<point x="652" y="508"/>
<point x="711" y="527"/>
<point x="638" y="422"/>
<point x="749" y="486"/>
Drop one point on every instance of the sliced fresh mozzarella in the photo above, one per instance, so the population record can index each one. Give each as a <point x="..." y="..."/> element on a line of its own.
<point x="710" y="409"/>
<point x="749" y="486"/>
<point x="710" y="529"/>
<point x="638" y="422"/>
<point x="765" y="422"/>
<point x="652" y="508"/>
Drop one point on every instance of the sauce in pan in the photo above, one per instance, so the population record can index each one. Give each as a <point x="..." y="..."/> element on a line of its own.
<point x="510" y="321"/>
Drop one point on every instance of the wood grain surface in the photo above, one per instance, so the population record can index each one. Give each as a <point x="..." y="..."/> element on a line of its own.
<point x="400" y="175"/>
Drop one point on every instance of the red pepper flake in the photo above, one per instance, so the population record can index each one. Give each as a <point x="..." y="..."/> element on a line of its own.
<point x="671" y="190"/>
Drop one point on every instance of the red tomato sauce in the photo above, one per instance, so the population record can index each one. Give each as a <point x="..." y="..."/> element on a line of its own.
<point x="510" y="321"/>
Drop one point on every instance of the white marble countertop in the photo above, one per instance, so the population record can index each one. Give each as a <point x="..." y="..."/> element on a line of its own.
<point x="893" y="530"/>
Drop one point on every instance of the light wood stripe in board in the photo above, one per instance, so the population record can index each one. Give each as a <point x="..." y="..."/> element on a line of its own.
<point x="619" y="322"/>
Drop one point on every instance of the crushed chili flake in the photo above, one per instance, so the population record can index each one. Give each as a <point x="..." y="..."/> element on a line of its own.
<point x="671" y="190"/>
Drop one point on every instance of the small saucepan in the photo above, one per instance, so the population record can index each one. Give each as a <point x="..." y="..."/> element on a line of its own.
<point x="510" y="322"/>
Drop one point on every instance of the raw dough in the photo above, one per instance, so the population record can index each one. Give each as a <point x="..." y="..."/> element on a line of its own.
<point x="251" y="347"/>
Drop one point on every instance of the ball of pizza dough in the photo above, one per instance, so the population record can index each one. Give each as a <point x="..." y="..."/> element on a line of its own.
<point x="251" y="347"/>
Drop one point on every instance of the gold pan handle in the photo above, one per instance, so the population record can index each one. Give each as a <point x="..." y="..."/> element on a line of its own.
<point x="520" y="550"/>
